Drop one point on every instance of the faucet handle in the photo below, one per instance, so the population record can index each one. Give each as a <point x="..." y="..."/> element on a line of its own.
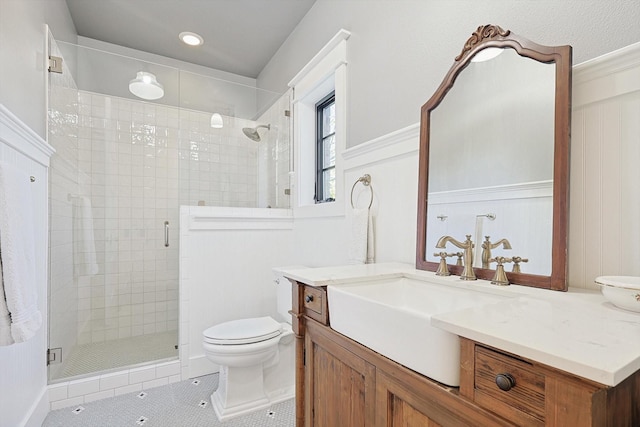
<point x="459" y="261"/>
<point x="500" y="278"/>
<point x="499" y="260"/>
<point x="443" y="270"/>
<point x="516" y="263"/>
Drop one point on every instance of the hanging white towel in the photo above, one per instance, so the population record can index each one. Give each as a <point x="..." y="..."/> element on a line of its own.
<point x="361" y="249"/>
<point x="5" y="317"/>
<point x="370" y="239"/>
<point x="84" y="244"/>
<point x="17" y="251"/>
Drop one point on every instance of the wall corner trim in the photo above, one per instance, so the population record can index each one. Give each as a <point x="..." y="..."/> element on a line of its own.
<point x="17" y="135"/>
<point x="607" y="76"/>
<point x="230" y="218"/>
<point x="398" y="143"/>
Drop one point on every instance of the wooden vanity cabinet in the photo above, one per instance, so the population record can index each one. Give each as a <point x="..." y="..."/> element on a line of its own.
<point x="543" y="395"/>
<point x="341" y="383"/>
<point x="349" y="385"/>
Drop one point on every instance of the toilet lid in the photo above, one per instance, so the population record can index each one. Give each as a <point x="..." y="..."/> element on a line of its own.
<point x="243" y="331"/>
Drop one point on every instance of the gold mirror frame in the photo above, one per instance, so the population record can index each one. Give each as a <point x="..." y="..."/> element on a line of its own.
<point x="493" y="36"/>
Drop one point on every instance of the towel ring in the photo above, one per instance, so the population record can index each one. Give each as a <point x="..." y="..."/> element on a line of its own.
<point x="366" y="181"/>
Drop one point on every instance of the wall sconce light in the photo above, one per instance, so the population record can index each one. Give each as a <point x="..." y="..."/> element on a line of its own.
<point x="216" y="121"/>
<point x="146" y="86"/>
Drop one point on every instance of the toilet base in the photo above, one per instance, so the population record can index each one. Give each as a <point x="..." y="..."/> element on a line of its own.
<point x="224" y="413"/>
<point x="240" y="390"/>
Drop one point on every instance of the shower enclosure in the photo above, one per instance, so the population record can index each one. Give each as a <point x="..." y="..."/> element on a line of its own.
<point x="122" y="168"/>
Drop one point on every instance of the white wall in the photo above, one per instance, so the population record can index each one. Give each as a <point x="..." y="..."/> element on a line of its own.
<point x="604" y="223"/>
<point x="400" y="50"/>
<point x="22" y="44"/>
<point x="226" y="261"/>
<point x="23" y="383"/>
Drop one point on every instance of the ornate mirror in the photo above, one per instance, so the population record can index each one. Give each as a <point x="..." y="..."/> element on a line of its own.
<point x="494" y="160"/>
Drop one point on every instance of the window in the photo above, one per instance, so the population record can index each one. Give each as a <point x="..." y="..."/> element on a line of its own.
<point x="313" y="182"/>
<point x="326" y="149"/>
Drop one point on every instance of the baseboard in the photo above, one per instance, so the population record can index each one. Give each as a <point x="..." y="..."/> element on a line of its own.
<point x="38" y="411"/>
<point x="200" y="365"/>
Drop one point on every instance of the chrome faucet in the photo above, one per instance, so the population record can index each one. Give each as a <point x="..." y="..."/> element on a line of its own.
<point x="487" y="246"/>
<point x="467" y="256"/>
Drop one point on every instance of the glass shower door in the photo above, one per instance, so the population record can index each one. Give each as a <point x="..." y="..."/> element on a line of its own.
<point x="113" y="231"/>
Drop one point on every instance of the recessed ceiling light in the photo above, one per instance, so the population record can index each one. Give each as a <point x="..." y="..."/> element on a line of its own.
<point x="192" y="39"/>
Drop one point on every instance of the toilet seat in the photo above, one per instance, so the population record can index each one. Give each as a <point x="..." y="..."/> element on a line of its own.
<point x="243" y="331"/>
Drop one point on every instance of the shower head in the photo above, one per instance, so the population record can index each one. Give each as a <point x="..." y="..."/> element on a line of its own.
<point x="252" y="133"/>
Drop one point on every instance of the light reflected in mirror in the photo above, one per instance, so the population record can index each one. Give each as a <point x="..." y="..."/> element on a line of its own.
<point x="491" y="151"/>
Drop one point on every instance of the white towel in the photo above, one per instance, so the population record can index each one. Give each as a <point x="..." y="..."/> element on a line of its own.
<point x="84" y="244"/>
<point x="361" y="249"/>
<point x="5" y="317"/>
<point x="17" y="251"/>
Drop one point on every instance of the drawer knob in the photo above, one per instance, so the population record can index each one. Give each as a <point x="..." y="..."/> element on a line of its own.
<point x="505" y="382"/>
<point x="308" y="298"/>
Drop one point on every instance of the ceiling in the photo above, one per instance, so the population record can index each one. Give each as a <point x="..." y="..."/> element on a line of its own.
<point x="240" y="36"/>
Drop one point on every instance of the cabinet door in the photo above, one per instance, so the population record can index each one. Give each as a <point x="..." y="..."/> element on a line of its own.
<point x="340" y="386"/>
<point x="406" y="399"/>
<point x="402" y="414"/>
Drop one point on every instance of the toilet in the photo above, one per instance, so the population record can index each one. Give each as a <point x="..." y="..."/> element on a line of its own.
<point x="256" y="358"/>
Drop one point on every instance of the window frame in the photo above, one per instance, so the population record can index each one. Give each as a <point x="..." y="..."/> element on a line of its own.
<point x="328" y="100"/>
<point x="325" y="72"/>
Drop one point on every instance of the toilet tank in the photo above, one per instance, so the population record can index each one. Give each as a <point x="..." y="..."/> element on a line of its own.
<point x="283" y="298"/>
<point x="283" y="295"/>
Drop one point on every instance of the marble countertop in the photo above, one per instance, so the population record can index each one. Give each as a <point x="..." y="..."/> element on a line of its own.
<point x="576" y="331"/>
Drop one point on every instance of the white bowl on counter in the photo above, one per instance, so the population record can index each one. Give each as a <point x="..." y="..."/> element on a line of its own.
<point x="621" y="291"/>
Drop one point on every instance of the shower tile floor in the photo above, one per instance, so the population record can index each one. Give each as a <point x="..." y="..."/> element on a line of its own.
<point x="182" y="404"/>
<point x="103" y="356"/>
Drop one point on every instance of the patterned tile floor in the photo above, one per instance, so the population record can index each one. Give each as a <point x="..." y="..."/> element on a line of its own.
<point x="183" y="404"/>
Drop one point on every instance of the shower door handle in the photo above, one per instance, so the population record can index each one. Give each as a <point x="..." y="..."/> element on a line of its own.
<point x="166" y="234"/>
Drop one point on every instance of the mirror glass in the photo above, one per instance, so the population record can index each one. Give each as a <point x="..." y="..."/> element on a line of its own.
<point x="493" y="161"/>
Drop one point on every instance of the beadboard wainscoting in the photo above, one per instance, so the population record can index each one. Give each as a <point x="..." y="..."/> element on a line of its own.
<point x="604" y="219"/>
<point x="392" y="162"/>
<point x="24" y="371"/>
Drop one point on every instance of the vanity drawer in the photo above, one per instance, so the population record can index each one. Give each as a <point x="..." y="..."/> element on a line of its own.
<point x="314" y="301"/>
<point x="522" y="396"/>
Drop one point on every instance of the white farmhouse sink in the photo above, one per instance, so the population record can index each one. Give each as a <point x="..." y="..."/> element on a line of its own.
<point x="393" y="317"/>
